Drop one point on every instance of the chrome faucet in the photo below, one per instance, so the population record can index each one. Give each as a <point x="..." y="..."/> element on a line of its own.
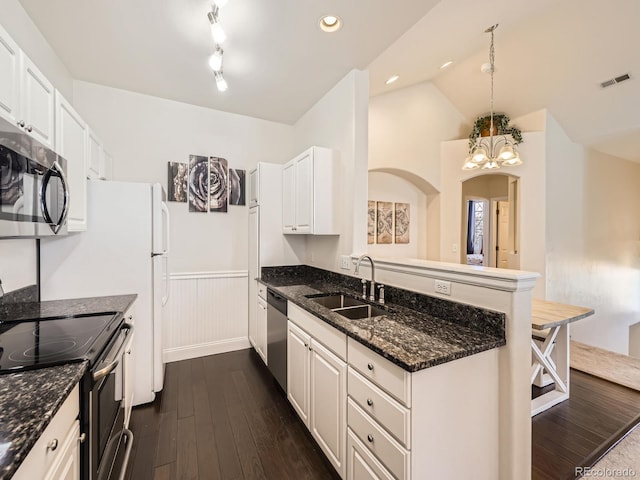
<point x="372" y="295"/>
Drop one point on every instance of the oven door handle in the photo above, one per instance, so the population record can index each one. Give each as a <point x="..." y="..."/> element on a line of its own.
<point x="103" y="372"/>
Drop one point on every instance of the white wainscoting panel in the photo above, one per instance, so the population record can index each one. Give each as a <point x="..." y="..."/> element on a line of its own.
<point x="207" y="313"/>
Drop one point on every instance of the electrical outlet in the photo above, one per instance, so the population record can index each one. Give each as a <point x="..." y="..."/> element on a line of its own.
<point x="346" y="262"/>
<point x="443" y="287"/>
<point x="454" y="248"/>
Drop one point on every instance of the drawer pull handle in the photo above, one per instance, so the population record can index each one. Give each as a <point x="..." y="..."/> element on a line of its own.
<point x="370" y="438"/>
<point x="52" y="445"/>
<point x="370" y="366"/>
<point x="82" y="438"/>
<point x="369" y="402"/>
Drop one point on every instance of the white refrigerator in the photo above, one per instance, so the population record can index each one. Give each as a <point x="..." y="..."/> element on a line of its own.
<point x="124" y="250"/>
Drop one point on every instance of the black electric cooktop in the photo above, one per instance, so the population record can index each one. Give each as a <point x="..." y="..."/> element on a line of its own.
<point x="38" y="343"/>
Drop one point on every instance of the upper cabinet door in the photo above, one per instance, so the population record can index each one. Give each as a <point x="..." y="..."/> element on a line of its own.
<point x="37" y="103"/>
<point x="106" y="167"/>
<point x="254" y="188"/>
<point x="71" y="143"/>
<point x="288" y="198"/>
<point x="95" y="156"/>
<point x="304" y="193"/>
<point x="10" y="78"/>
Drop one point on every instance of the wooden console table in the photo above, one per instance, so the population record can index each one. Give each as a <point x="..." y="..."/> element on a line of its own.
<point x="551" y="320"/>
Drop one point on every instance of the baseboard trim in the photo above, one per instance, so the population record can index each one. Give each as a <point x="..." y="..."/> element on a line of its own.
<point x="203" y="349"/>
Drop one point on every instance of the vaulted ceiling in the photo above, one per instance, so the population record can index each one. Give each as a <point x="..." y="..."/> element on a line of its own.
<point x="549" y="54"/>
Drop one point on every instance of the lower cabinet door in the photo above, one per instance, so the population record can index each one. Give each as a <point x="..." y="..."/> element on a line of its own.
<point x="362" y="464"/>
<point x="261" y="330"/>
<point x="298" y="343"/>
<point x="67" y="466"/>
<point x="328" y="392"/>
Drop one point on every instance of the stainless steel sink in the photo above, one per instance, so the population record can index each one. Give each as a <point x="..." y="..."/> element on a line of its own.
<point x="357" y="313"/>
<point x="347" y="306"/>
<point x="334" y="301"/>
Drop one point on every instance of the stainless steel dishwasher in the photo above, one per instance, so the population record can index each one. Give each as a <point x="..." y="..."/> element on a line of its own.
<point x="277" y="336"/>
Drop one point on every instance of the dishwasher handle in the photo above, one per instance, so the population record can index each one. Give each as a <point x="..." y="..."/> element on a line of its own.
<point x="277" y="301"/>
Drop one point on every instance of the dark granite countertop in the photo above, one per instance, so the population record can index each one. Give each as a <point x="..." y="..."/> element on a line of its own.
<point x="409" y="337"/>
<point x="29" y="401"/>
<point x="63" y="308"/>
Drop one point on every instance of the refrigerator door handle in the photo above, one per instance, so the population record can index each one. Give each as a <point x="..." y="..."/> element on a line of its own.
<point x="165" y="256"/>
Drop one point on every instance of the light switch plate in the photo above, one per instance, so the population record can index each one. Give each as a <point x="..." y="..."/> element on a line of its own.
<point x="346" y="262"/>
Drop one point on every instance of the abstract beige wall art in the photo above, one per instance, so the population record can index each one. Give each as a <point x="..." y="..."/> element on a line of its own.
<point x="402" y="223"/>
<point x="385" y="223"/>
<point x="371" y="222"/>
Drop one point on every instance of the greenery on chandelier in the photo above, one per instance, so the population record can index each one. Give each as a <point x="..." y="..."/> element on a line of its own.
<point x="481" y="127"/>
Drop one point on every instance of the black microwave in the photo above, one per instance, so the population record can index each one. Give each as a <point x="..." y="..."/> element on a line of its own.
<point x="34" y="193"/>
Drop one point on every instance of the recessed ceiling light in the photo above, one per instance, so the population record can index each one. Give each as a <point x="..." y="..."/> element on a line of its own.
<point x="392" y="79"/>
<point x="330" y="23"/>
<point x="446" y="64"/>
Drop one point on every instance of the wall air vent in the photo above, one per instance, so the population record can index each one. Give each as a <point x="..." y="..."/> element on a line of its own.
<point x="615" y="80"/>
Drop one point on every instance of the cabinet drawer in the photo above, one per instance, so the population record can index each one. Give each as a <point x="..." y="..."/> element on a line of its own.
<point x="387" y="411"/>
<point x="378" y="441"/>
<point x="262" y="291"/>
<point x="361" y="464"/>
<point x="40" y="458"/>
<point x="327" y="335"/>
<point x="391" y="378"/>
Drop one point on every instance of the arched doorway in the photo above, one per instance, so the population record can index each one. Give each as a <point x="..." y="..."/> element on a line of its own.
<point x="490" y="221"/>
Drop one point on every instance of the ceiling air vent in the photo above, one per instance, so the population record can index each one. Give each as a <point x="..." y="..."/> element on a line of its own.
<point x="615" y="80"/>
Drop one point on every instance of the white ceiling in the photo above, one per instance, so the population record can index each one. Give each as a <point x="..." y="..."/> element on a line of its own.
<point x="549" y="54"/>
<point x="277" y="61"/>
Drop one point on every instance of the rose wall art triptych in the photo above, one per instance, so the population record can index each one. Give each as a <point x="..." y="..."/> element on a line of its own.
<point x="207" y="184"/>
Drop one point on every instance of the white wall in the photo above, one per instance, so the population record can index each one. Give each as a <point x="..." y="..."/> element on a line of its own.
<point x="593" y="239"/>
<point x="384" y="187"/>
<point x="18" y="264"/>
<point x="406" y="127"/>
<point x="143" y="133"/>
<point x="25" y="33"/>
<point x="339" y="121"/>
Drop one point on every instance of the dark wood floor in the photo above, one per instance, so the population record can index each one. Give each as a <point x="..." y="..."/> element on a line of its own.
<point x="566" y="435"/>
<point x="222" y="417"/>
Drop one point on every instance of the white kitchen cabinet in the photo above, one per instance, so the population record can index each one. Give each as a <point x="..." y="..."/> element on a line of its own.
<point x="10" y="78"/>
<point x="26" y="96"/>
<point x="71" y="143"/>
<point x="254" y="188"/>
<point x="361" y="463"/>
<point x="309" y="193"/>
<point x="328" y="392"/>
<point x="316" y="387"/>
<point x="96" y="153"/>
<point x="55" y="455"/>
<point x="261" y="330"/>
<point x="37" y="101"/>
<point x="298" y="360"/>
<point x="68" y="465"/>
<point x="106" y="166"/>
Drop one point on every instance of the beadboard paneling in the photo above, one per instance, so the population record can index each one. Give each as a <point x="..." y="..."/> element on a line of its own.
<point x="206" y="314"/>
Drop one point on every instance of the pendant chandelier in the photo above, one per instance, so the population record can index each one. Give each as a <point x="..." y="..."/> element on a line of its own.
<point x="494" y="151"/>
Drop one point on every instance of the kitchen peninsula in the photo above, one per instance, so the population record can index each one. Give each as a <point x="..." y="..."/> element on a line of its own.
<point x="409" y="357"/>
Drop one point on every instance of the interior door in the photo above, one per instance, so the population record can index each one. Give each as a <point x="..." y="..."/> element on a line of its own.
<point x="502" y="237"/>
